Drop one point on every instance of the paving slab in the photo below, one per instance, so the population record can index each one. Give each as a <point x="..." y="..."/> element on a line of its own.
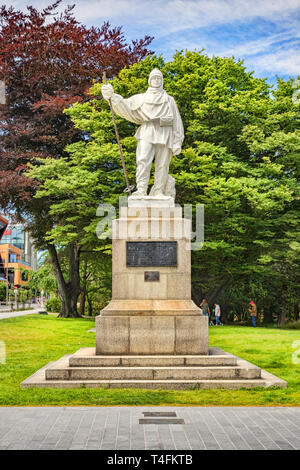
<point x="118" y="428"/>
<point x="18" y="313"/>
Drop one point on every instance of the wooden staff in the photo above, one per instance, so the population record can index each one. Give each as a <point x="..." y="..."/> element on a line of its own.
<point x="128" y="187"/>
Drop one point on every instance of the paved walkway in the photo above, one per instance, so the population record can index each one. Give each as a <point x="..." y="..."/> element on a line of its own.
<point x="113" y="428"/>
<point x="19" y="313"/>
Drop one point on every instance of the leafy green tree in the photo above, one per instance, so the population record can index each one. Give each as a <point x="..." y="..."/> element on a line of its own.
<point x="2" y="291"/>
<point x="239" y="159"/>
<point x="43" y="278"/>
<point x="96" y="279"/>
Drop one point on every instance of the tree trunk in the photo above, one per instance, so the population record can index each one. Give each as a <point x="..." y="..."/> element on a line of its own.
<point x="282" y="316"/>
<point x="296" y="311"/>
<point x="196" y="295"/>
<point x="68" y="292"/>
<point x="215" y="292"/>
<point x="82" y="302"/>
<point x="225" y="313"/>
<point x="90" y="306"/>
<point x="268" y="315"/>
<point x="83" y="290"/>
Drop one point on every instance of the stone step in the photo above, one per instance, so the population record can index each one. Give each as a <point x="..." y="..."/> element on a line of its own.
<point x="148" y="384"/>
<point x="148" y="361"/>
<point x="38" y="379"/>
<point x="153" y="373"/>
<point x="146" y="307"/>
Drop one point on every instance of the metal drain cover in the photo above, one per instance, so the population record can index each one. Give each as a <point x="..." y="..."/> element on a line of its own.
<point x="160" y="417"/>
<point x="161" y="421"/>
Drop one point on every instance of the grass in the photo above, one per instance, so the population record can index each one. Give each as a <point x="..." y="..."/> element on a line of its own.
<point x="32" y="341"/>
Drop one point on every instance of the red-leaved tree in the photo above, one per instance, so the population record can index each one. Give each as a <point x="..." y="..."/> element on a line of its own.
<point x="47" y="62"/>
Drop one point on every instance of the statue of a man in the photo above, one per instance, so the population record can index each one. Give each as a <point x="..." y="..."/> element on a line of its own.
<point x="159" y="136"/>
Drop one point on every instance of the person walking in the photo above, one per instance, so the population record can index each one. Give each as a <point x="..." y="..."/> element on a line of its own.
<point x="253" y="312"/>
<point x="205" y="308"/>
<point x="218" y="314"/>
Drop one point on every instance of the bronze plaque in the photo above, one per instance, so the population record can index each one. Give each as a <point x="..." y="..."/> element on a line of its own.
<point x="151" y="276"/>
<point x="151" y="254"/>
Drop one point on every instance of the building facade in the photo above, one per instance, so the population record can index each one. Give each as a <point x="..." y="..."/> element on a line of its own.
<point x="17" y="253"/>
<point x="3" y="226"/>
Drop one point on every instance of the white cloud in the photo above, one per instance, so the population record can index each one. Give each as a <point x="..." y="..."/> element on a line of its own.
<point x="247" y="48"/>
<point x="250" y="48"/>
<point x="280" y="62"/>
<point x="172" y="23"/>
<point x="164" y="17"/>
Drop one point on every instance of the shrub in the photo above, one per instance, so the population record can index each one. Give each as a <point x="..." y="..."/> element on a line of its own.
<point x="293" y="325"/>
<point x="2" y="291"/>
<point x="53" y="305"/>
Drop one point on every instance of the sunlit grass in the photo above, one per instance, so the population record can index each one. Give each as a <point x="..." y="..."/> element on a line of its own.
<point x="32" y="341"/>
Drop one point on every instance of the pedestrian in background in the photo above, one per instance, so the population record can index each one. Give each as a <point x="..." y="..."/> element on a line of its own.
<point x="218" y="314"/>
<point x="253" y="312"/>
<point x="205" y="308"/>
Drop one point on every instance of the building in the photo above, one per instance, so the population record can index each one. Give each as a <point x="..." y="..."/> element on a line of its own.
<point x="3" y="225"/>
<point x="17" y="253"/>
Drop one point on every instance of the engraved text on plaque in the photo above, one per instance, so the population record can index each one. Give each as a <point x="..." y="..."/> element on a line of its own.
<point x="151" y="253"/>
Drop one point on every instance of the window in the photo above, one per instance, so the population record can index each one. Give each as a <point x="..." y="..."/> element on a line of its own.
<point x="12" y="258"/>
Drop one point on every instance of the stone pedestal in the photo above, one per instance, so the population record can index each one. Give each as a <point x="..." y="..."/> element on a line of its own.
<point x="151" y="311"/>
<point x="151" y="335"/>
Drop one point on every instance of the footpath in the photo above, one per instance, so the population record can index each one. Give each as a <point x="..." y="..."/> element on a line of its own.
<point x="133" y="428"/>
<point x="18" y="313"/>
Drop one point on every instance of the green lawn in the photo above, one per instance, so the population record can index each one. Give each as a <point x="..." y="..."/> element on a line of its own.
<point x="33" y="341"/>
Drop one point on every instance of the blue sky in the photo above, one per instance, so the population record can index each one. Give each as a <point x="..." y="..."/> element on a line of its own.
<point x="265" y="33"/>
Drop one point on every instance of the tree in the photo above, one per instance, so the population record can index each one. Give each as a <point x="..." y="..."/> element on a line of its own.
<point x="277" y="138"/>
<point x="48" y="61"/>
<point x="2" y="291"/>
<point x="246" y="180"/>
<point x="43" y="278"/>
<point x="96" y="282"/>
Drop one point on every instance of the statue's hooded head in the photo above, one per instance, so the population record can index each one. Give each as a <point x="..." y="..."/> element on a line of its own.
<point x="155" y="80"/>
<point x="156" y="93"/>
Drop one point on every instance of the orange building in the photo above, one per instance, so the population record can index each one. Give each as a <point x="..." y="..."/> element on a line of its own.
<point x="3" y="226"/>
<point x="12" y="268"/>
<point x="10" y="259"/>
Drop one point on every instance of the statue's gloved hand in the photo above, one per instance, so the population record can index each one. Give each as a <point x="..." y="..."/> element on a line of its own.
<point x="107" y="91"/>
<point x="176" y="150"/>
<point x="166" y="121"/>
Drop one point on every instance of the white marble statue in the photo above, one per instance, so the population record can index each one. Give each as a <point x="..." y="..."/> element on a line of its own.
<point x="159" y="136"/>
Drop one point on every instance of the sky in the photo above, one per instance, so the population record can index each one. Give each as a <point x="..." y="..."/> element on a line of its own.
<point x="264" y="33"/>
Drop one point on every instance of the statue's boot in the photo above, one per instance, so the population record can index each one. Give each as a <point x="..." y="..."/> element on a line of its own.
<point x="156" y="192"/>
<point x="141" y="192"/>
